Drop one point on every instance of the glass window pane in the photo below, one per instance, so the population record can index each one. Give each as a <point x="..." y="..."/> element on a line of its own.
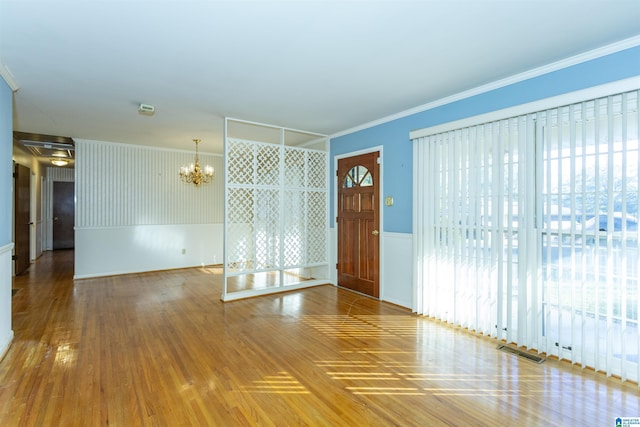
<point x="358" y="176"/>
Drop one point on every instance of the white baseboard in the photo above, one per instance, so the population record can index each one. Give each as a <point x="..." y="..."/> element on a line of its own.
<point x="5" y="344"/>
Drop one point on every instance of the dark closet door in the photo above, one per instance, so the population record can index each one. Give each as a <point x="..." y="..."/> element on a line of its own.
<point x="63" y="215"/>
<point x="22" y="215"/>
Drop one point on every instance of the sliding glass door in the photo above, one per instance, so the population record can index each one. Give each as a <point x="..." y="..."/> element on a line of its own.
<point x="589" y="232"/>
<point x="526" y="229"/>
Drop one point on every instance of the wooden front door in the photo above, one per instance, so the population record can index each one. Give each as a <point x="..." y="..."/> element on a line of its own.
<point x="63" y="215"/>
<point x="358" y="224"/>
<point x="22" y="217"/>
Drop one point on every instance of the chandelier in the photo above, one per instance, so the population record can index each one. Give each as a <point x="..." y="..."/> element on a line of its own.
<point x="194" y="174"/>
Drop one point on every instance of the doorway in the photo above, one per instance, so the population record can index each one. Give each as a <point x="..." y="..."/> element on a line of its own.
<point x="358" y="214"/>
<point x="63" y="215"/>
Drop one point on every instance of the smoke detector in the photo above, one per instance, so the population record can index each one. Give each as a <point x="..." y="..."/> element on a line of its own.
<point x="146" y="109"/>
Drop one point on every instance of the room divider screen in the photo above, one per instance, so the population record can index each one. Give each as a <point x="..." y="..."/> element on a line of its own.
<point x="276" y="209"/>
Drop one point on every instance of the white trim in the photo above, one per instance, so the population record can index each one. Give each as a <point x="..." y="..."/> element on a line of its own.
<point x="536" y="72"/>
<point x="225" y="191"/>
<point x="252" y="141"/>
<point x="397" y="302"/>
<point x="321" y="135"/>
<point x="122" y="227"/>
<point x="619" y="86"/>
<point x="357" y="153"/>
<point x="149" y="147"/>
<point x="282" y="147"/>
<point x="378" y="148"/>
<point x="396" y="235"/>
<point x="4" y="346"/>
<point x="236" y="295"/>
<point x="8" y="77"/>
<point x="335" y="186"/>
<point x="6" y="248"/>
<point x="6" y="266"/>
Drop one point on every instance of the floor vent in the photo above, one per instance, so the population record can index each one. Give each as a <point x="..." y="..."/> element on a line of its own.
<point x="521" y="353"/>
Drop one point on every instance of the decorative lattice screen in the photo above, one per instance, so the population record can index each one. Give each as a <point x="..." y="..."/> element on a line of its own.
<point x="276" y="220"/>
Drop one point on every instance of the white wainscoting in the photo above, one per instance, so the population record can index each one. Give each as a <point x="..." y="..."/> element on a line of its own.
<point x="105" y="251"/>
<point x="6" y="333"/>
<point x="396" y="269"/>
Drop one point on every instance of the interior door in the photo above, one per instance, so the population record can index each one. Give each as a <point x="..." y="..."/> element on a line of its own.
<point x="358" y="224"/>
<point x="63" y="215"/>
<point x="22" y="217"/>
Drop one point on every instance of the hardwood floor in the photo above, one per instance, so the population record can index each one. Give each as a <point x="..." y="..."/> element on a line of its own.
<point x="162" y="349"/>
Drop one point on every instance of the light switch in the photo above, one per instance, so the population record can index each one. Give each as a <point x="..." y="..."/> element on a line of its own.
<point x="388" y="201"/>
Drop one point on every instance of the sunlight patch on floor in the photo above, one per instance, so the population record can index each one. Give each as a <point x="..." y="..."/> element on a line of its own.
<point x="395" y="391"/>
<point x="282" y="383"/>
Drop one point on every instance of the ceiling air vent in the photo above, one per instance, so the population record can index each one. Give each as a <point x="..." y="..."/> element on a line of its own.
<point x="49" y="149"/>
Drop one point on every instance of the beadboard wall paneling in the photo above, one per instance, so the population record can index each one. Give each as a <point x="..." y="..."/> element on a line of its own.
<point x="60" y="174"/>
<point x="125" y="185"/>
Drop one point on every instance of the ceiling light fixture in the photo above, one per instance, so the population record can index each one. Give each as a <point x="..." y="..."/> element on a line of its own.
<point x="59" y="162"/>
<point x="193" y="174"/>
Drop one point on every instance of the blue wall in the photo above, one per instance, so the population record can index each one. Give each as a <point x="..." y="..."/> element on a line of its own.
<point x="6" y="165"/>
<point x="394" y="135"/>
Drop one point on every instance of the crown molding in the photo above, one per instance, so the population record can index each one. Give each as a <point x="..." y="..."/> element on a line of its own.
<point x="600" y="91"/>
<point x="80" y="141"/>
<point x="536" y="72"/>
<point x="8" y="77"/>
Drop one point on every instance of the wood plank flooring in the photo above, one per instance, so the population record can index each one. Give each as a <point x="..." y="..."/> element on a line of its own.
<point x="161" y="349"/>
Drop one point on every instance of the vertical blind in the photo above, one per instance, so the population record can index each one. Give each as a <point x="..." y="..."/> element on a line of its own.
<point x="472" y="226"/>
<point x="589" y="233"/>
<point x="526" y="230"/>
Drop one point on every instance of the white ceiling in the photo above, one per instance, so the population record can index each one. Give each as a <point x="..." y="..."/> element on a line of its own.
<point x="83" y="67"/>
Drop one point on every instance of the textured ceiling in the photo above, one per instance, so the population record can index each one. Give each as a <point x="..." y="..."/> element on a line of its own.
<point x="83" y="67"/>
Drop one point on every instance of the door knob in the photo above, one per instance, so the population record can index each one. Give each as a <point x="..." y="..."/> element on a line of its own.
<point x="55" y="218"/>
<point x="375" y="232"/>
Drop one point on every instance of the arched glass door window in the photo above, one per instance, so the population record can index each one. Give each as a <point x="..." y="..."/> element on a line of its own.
<point x="358" y="176"/>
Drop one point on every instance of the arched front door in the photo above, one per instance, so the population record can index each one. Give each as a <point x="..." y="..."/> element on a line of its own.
<point x="359" y="224"/>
